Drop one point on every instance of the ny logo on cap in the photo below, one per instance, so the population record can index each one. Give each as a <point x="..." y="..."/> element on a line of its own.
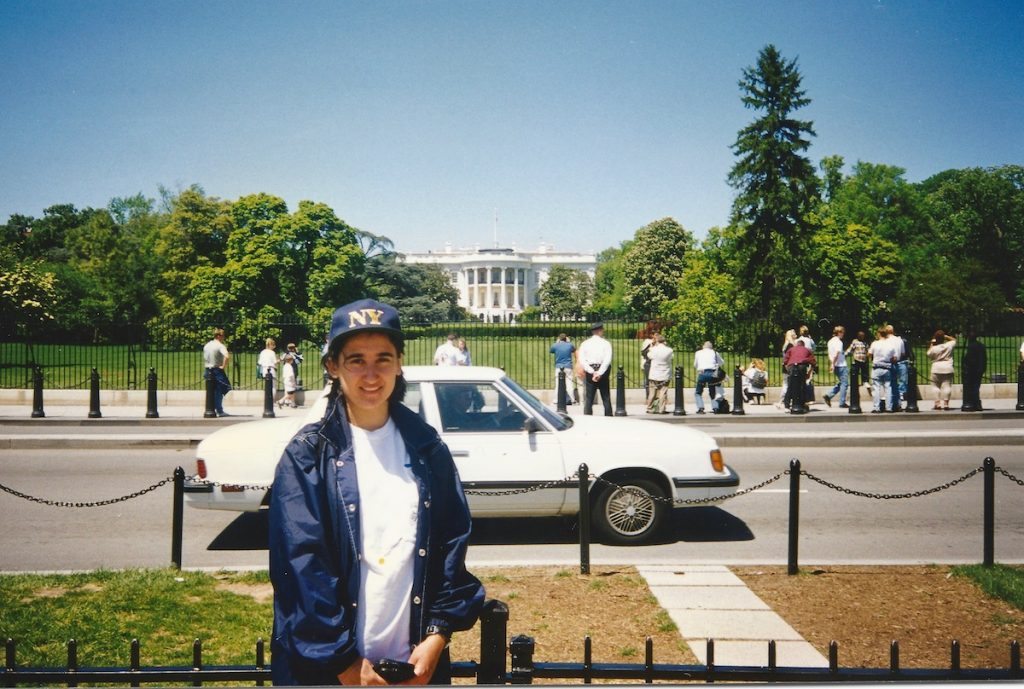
<point x="364" y="317"/>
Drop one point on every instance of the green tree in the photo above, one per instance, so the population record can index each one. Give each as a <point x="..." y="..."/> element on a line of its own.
<point x="567" y="293"/>
<point x="422" y="293"/>
<point x="28" y="293"/>
<point x="653" y="265"/>
<point x="978" y="214"/>
<point x="776" y="184"/>
<point x="609" y="284"/>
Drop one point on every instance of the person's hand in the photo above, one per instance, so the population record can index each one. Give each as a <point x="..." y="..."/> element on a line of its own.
<point x="425" y="657"/>
<point x="596" y="377"/>
<point x="361" y="672"/>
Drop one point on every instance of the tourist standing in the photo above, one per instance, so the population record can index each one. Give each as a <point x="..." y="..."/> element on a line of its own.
<point x="706" y="361"/>
<point x="595" y="357"/>
<point x="215" y="361"/>
<point x="563" y="351"/>
<point x="660" y="357"/>
<point x="837" y="364"/>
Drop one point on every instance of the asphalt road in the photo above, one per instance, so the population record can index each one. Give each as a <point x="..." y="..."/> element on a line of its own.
<point x="835" y="527"/>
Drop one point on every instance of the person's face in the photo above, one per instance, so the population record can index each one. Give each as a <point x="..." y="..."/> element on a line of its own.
<point x="367" y="368"/>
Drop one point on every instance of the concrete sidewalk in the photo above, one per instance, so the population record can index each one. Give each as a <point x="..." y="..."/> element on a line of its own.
<point x="710" y="602"/>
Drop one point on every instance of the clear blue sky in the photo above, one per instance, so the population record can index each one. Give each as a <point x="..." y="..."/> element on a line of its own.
<point x="579" y="122"/>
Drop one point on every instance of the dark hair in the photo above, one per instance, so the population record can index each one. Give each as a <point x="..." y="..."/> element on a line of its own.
<point x="334" y="349"/>
<point x="939" y="336"/>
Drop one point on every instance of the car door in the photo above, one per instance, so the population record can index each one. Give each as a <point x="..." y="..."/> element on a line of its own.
<point x="504" y="466"/>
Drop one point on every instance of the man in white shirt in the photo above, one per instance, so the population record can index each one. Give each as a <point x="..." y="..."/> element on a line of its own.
<point x="447" y="352"/>
<point x="706" y="360"/>
<point x="595" y="358"/>
<point x="837" y="364"/>
<point x="215" y="359"/>
<point x="882" y="355"/>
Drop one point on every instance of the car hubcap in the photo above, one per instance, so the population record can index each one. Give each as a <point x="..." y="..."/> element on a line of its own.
<point x="630" y="511"/>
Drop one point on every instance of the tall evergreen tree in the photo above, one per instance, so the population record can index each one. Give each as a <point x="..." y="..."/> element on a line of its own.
<point x="776" y="185"/>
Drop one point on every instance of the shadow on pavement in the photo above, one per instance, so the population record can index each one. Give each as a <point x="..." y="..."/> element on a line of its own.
<point x="248" y="531"/>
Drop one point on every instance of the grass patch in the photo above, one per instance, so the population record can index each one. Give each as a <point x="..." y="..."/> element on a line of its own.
<point x="999" y="581"/>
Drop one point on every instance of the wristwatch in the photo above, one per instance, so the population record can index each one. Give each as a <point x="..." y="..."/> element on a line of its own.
<point x="440" y="630"/>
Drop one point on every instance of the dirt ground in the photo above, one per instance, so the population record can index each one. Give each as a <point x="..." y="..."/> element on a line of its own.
<point x="862" y="608"/>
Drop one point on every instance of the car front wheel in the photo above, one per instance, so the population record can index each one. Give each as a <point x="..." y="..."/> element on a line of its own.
<point x="631" y="512"/>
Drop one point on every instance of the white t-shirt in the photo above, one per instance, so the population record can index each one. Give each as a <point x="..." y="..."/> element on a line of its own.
<point x="836" y="352"/>
<point x="445" y="354"/>
<point x="268" y="362"/>
<point x="215" y="354"/>
<point x="882" y="353"/>
<point x="595" y="351"/>
<point x="705" y="359"/>
<point x="389" y="499"/>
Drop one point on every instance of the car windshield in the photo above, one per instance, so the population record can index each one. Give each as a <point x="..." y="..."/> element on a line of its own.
<point x="559" y="423"/>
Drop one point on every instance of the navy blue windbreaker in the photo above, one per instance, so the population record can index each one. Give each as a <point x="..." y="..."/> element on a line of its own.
<point x="314" y="548"/>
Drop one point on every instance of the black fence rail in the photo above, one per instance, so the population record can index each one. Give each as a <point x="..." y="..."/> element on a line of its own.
<point x="516" y="665"/>
<point x="521" y="349"/>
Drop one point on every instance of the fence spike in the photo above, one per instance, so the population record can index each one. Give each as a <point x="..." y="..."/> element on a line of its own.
<point x="588" y="659"/>
<point x="894" y="657"/>
<point x="649" y="661"/>
<point x="954" y="656"/>
<point x="833" y="656"/>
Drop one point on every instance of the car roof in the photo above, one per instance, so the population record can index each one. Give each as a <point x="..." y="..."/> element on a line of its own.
<point x="421" y="374"/>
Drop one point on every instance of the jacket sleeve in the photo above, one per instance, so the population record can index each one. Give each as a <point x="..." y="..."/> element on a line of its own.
<point x="460" y="595"/>
<point x="311" y="619"/>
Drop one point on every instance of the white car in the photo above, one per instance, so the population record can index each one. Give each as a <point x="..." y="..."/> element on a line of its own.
<point x="516" y="457"/>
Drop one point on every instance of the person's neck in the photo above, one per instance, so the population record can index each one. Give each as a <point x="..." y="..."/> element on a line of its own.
<point x="368" y="420"/>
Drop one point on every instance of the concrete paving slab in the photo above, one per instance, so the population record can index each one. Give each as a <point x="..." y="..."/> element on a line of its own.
<point x="732" y="625"/>
<point x="683" y="577"/>
<point x="708" y="598"/>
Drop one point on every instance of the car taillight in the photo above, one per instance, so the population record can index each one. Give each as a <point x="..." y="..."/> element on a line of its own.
<point x="717" y="463"/>
<point x="201" y="468"/>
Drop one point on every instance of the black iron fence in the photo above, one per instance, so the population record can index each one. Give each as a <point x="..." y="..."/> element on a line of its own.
<point x="522" y="350"/>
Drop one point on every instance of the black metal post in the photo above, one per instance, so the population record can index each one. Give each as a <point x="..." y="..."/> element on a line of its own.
<point x="794" y="514"/>
<point x="135" y="660"/>
<point x="268" y="396"/>
<point x="209" y="412"/>
<point x="37" y="393"/>
<point x="680" y="409"/>
<point x="1020" y="387"/>
<point x="521" y="650"/>
<point x="737" y="392"/>
<point x="72" y="660"/>
<point x="560" y="394"/>
<point x="620" y="392"/>
<point x="493" y="632"/>
<point x="151" y="412"/>
<point x="94" y="394"/>
<point x="177" y="517"/>
<point x="910" y="405"/>
<point x="261" y="659"/>
<point x="584" y="517"/>
<point x="197" y="660"/>
<point x="798" y="389"/>
<point x="989" y="466"/>
<point x="855" y="382"/>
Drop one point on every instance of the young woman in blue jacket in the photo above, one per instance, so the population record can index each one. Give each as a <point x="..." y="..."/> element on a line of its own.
<point x="368" y="525"/>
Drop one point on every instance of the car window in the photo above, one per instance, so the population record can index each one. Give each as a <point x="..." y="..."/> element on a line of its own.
<point x="475" y="408"/>
<point x="414" y="399"/>
<point x="555" y="420"/>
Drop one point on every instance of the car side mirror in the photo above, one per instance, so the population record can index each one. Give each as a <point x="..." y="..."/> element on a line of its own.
<point x="532" y="425"/>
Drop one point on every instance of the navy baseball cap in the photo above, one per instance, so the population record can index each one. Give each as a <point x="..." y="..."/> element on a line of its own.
<point x="365" y="316"/>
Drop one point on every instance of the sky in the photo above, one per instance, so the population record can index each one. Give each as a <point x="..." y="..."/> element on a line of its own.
<point x="572" y="123"/>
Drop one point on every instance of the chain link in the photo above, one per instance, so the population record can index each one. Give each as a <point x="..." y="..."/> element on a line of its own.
<point x="1010" y="476"/>
<point x="98" y="503"/>
<point x="571" y="478"/>
<point x="892" y="496"/>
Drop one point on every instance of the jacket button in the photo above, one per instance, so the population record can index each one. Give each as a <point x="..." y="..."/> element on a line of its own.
<point x="426" y="503"/>
<point x="351" y="508"/>
<point x="423" y="552"/>
<point x="416" y="600"/>
<point x="340" y="463"/>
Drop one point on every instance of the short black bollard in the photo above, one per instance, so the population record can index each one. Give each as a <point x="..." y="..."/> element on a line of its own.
<point x="151" y="412"/>
<point x="798" y="389"/>
<point x="913" y="395"/>
<point x="37" y="393"/>
<point x="620" y="392"/>
<point x="855" y="382"/>
<point x="560" y="395"/>
<point x="94" y="395"/>
<point x="268" y="396"/>
<point x="210" y="412"/>
<point x="521" y="651"/>
<point x="737" y="392"/>
<point x="1020" y="387"/>
<point x="794" y="515"/>
<point x="989" y="467"/>
<point x="680" y="409"/>
<point x="584" y="517"/>
<point x="177" y="517"/>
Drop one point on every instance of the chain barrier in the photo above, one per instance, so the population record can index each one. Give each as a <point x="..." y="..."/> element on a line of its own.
<point x="893" y="496"/>
<point x="570" y="480"/>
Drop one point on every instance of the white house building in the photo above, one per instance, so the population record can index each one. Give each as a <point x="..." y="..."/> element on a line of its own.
<point x="495" y="285"/>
